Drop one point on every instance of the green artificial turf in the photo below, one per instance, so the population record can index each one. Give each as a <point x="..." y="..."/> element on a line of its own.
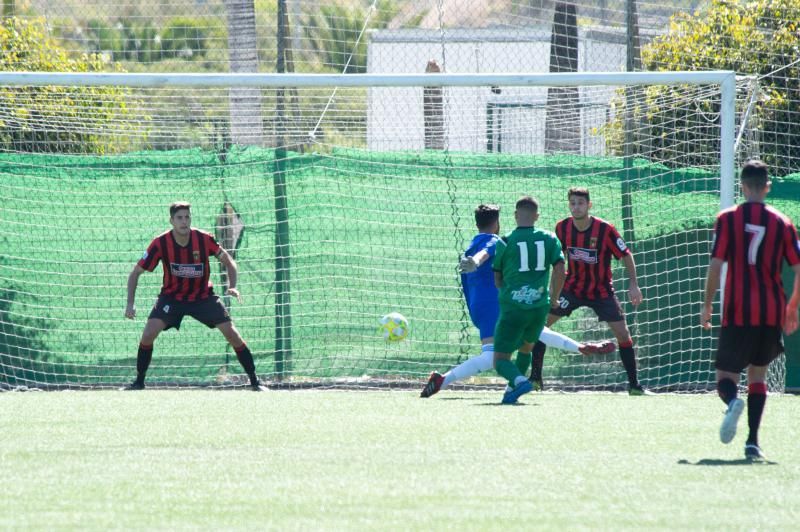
<point x="333" y="460"/>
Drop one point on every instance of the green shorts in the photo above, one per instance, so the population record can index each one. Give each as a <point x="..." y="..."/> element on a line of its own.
<point x="517" y="326"/>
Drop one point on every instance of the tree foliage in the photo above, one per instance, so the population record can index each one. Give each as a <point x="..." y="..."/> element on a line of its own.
<point x="760" y="38"/>
<point x="336" y="29"/>
<point x="58" y="119"/>
<point x="128" y="39"/>
<point x="189" y="38"/>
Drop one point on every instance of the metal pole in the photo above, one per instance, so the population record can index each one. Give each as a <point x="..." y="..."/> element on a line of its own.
<point x="627" y="162"/>
<point x="727" y="158"/>
<point x="727" y="161"/>
<point x="283" y="317"/>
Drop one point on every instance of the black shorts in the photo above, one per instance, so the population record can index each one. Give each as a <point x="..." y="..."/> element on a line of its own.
<point x="740" y="347"/>
<point x="209" y="311"/>
<point x="607" y="308"/>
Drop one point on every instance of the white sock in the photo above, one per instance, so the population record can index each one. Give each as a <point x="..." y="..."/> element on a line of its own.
<point x="472" y="366"/>
<point x="550" y="338"/>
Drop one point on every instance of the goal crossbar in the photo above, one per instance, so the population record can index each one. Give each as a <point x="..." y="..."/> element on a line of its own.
<point x="521" y="79"/>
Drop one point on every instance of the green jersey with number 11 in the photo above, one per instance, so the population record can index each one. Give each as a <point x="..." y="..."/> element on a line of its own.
<point x="524" y="257"/>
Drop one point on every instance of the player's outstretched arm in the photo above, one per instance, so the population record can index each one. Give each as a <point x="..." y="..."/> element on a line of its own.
<point x="790" y="322"/>
<point x="470" y="264"/>
<point x="133" y="282"/>
<point x="712" y="285"/>
<point x="233" y="274"/>
<point x="634" y="292"/>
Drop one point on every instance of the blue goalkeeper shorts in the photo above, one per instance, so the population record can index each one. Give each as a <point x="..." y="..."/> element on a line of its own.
<point x="484" y="316"/>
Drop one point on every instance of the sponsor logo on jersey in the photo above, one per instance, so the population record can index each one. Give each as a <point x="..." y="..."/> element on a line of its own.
<point x="621" y="244"/>
<point x="527" y="295"/>
<point x="186" y="271"/>
<point x="145" y="255"/>
<point x="588" y="256"/>
<point x="166" y="309"/>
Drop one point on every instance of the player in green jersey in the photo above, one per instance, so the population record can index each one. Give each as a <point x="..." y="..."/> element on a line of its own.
<point x="521" y="265"/>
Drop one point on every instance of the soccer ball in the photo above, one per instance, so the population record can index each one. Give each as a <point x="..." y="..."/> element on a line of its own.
<point x="394" y="327"/>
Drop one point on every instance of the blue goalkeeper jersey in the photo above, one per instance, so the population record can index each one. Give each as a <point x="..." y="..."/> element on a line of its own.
<point x="479" y="289"/>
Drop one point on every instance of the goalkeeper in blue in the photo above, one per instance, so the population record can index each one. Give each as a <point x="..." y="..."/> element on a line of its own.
<point x="480" y="293"/>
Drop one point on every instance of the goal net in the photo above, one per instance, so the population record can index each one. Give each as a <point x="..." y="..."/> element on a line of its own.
<point x="342" y="199"/>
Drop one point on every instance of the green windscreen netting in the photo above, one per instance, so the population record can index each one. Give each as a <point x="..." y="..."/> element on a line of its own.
<point x="369" y="233"/>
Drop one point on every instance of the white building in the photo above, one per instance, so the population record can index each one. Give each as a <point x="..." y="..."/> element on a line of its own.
<point x="515" y="116"/>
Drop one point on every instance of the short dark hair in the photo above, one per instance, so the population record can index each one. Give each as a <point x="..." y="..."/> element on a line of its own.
<point x="486" y="215"/>
<point x="754" y="174"/>
<point x="179" y="206"/>
<point x="528" y="203"/>
<point x="578" y="191"/>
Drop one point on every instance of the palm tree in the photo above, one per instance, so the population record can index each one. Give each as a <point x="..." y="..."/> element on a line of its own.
<point x="245" y="102"/>
<point x="562" y="123"/>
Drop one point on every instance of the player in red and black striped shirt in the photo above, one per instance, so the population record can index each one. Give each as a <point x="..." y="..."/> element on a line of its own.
<point x="184" y="255"/>
<point x="754" y="239"/>
<point x="589" y="243"/>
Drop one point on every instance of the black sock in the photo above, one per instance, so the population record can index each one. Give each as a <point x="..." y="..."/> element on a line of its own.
<point x="538" y="361"/>
<point x="726" y="389"/>
<point x="628" y="358"/>
<point x="143" y="358"/>
<point x="756" y="399"/>
<point x="245" y="358"/>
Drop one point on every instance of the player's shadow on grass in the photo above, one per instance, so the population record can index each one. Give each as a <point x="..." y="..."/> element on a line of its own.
<point x="498" y="403"/>
<point x="720" y="462"/>
<point x="493" y="403"/>
<point x="455" y="399"/>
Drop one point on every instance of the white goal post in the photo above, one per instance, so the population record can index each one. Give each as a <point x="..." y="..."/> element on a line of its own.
<point x="323" y="220"/>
